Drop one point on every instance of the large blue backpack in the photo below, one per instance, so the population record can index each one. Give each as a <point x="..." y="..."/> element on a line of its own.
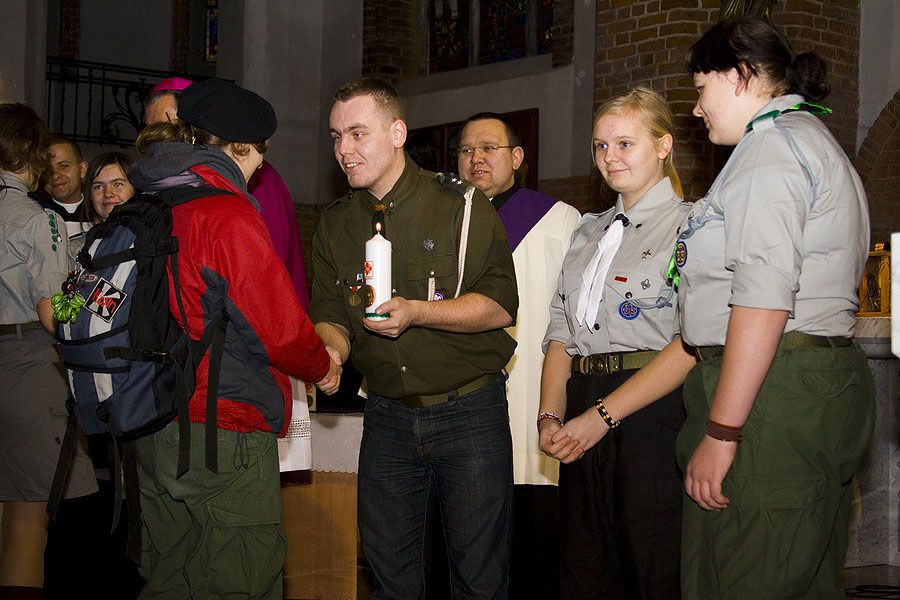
<point x="131" y="368"/>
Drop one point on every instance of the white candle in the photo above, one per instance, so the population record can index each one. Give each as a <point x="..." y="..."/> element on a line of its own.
<point x="378" y="274"/>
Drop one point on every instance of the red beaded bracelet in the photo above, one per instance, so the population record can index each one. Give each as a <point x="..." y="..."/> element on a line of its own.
<point x="551" y="416"/>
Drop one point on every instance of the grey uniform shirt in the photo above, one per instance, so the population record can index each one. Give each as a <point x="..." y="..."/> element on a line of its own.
<point x="75" y="229"/>
<point x="776" y="234"/>
<point x="637" y="273"/>
<point x="34" y="261"/>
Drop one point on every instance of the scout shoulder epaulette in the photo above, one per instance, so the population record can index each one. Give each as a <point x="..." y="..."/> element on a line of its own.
<point x="453" y="182"/>
<point x="338" y="201"/>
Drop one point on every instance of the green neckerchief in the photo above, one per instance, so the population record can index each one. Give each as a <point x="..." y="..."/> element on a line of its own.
<point x="816" y="109"/>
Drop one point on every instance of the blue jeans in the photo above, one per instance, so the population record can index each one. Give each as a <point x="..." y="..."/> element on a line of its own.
<point x="455" y="456"/>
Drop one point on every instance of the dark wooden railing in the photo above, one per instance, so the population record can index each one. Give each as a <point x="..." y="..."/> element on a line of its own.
<point x="99" y="103"/>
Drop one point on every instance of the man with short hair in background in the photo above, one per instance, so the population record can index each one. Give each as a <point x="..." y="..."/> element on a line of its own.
<point x="62" y="184"/>
<point x="539" y="228"/>
<point x="436" y="431"/>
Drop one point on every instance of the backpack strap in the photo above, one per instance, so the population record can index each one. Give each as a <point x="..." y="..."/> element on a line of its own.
<point x="66" y="453"/>
<point x="164" y="247"/>
<point x="127" y="489"/>
<point x="212" y="392"/>
<point x="181" y="394"/>
<point x="118" y="493"/>
<point x="212" y="339"/>
<point x="181" y="194"/>
<point x="132" y="500"/>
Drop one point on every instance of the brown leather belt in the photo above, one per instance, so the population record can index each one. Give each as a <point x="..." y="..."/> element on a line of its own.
<point x="472" y="386"/>
<point x="611" y="362"/>
<point x="19" y="329"/>
<point x="792" y="340"/>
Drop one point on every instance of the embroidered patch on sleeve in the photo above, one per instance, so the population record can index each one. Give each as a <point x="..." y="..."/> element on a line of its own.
<point x="54" y="231"/>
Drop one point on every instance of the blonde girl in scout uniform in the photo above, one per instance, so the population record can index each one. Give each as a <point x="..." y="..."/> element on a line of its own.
<point x="33" y="391"/>
<point x="612" y="311"/>
<point x="781" y="404"/>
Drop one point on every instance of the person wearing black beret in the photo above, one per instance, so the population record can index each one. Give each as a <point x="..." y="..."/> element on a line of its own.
<point x="216" y="533"/>
<point x="266" y="184"/>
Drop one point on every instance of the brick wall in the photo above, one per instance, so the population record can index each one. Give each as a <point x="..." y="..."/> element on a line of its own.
<point x="831" y="29"/>
<point x="389" y="39"/>
<point x="562" y="44"/>
<point x="577" y="191"/>
<point x="878" y="163"/>
<point x="643" y="42"/>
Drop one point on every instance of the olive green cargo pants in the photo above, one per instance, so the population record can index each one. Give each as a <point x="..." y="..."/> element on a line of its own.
<point x="211" y="535"/>
<point x="784" y="533"/>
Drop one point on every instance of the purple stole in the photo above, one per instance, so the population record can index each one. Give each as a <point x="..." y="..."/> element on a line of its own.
<point x="522" y="212"/>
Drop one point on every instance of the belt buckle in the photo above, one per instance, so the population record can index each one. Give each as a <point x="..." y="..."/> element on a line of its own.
<point x="598" y="365"/>
<point x="584" y="365"/>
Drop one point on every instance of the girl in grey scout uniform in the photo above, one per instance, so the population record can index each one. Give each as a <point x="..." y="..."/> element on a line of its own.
<point x="33" y="391"/>
<point x="612" y="312"/>
<point x="780" y="406"/>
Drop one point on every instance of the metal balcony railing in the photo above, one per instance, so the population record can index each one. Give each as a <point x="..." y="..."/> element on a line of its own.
<point x="99" y="103"/>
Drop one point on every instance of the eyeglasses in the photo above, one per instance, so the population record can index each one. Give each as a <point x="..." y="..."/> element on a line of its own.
<point x="464" y="151"/>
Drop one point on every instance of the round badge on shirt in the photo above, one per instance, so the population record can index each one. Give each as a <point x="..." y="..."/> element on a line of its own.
<point x="628" y="311"/>
<point x="681" y="254"/>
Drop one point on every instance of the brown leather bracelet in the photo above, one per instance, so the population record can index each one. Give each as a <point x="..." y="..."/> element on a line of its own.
<point x="725" y="433"/>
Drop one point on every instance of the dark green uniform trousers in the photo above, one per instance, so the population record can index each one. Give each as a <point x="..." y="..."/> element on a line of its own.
<point x="211" y="535"/>
<point x="784" y="533"/>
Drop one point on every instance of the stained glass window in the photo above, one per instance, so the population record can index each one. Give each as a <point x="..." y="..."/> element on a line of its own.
<point x="212" y="30"/>
<point x="449" y="26"/>
<point x="465" y="33"/>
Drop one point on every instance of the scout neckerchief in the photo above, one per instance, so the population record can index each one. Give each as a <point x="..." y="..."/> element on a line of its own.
<point x="679" y="254"/>
<point x="593" y="278"/>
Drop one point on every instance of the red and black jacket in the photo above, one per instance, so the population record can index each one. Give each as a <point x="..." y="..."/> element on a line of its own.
<point x="226" y="261"/>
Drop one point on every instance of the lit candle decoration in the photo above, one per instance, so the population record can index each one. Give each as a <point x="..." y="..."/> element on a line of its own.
<point x="377" y="273"/>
